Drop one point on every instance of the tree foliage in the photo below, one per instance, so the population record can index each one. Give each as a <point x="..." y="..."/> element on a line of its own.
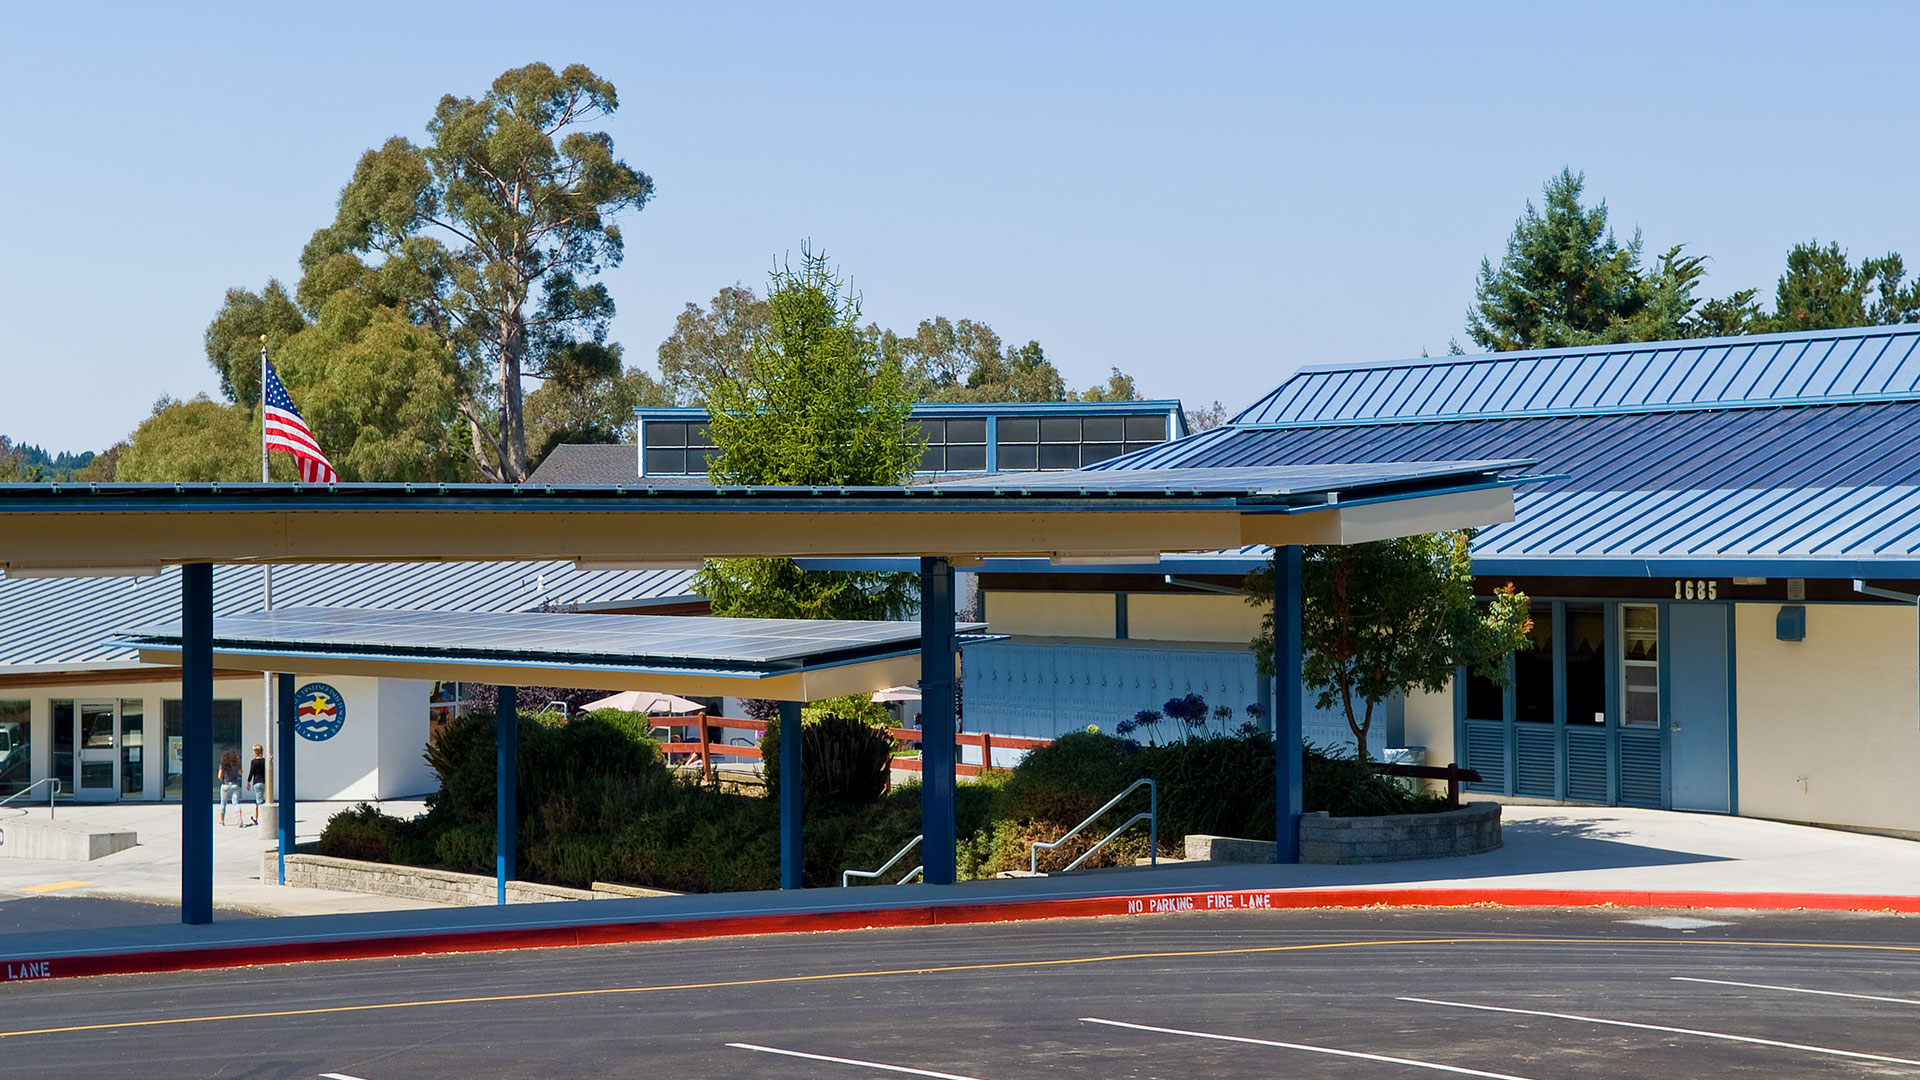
<point x="1822" y="290"/>
<point x="815" y="406"/>
<point x="489" y="236"/>
<point x="714" y="343"/>
<point x="1567" y="280"/>
<point x="1392" y="617"/>
<point x="196" y="440"/>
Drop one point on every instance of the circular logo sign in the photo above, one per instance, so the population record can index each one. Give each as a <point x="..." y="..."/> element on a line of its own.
<point x="318" y="711"/>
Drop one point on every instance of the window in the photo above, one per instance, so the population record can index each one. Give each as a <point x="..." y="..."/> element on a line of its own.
<point x="16" y="733"/>
<point x="1586" y="665"/>
<point x="63" y="744"/>
<point x="226" y="736"/>
<point x="447" y="701"/>
<point x="133" y="723"/>
<point x="956" y="445"/>
<point x="675" y="448"/>
<point x="1533" y="671"/>
<point x="1070" y="442"/>
<point x="1639" y="665"/>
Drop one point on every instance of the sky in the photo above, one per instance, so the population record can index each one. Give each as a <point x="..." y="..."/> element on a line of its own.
<point x="1206" y="196"/>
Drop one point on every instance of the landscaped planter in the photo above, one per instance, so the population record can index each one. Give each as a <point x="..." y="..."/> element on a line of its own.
<point x="1470" y="830"/>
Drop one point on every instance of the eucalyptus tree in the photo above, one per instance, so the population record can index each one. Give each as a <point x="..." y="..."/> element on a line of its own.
<point x="491" y="235"/>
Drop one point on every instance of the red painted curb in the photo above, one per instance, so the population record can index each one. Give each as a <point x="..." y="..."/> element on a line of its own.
<point x="419" y="944"/>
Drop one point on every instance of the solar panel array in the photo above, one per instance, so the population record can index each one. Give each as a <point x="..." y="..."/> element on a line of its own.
<point x="635" y="639"/>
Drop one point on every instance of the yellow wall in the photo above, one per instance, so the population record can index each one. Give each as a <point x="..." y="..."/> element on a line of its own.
<point x="1051" y="614"/>
<point x="1190" y="617"/>
<point x="1829" y="727"/>
<point x="1429" y="723"/>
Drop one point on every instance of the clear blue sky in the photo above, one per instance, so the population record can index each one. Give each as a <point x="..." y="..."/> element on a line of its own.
<point x="1204" y="196"/>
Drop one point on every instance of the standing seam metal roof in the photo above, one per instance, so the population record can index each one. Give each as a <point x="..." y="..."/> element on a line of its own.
<point x="66" y="620"/>
<point x="1880" y="363"/>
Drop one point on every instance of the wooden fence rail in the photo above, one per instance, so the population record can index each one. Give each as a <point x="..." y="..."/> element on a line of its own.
<point x="705" y="749"/>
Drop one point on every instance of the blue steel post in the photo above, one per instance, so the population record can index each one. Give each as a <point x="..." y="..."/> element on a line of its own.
<point x="791" y="861"/>
<point x="285" y="801"/>
<point x="196" y="743"/>
<point x="506" y="806"/>
<point x="937" y="721"/>
<point x="1287" y="704"/>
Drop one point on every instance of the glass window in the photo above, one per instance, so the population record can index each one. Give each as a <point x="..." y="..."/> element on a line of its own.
<point x="1059" y="455"/>
<point x="1533" y="671"/>
<point x="1102" y="429"/>
<point x="1018" y="429"/>
<point x="63" y="744"/>
<point x="1485" y="699"/>
<point x="226" y="735"/>
<point x="1093" y="452"/>
<point x="16" y="734"/>
<point x="967" y="431"/>
<point x="966" y="458"/>
<point x="661" y="433"/>
<point x="133" y="724"/>
<point x="666" y="462"/>
<point x="1018" y="458"/>
<point x="1060" y="429"/>
<point x="933" y="459"/>
<point x="1586" y="664"/>
<point x="1639" y="665"/>
<point x="934" y="431"/>
<point x="1147" y="429"/>
<point x="697" y="435"/>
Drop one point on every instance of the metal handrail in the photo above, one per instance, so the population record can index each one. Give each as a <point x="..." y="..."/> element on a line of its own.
<point x="847" y="876"/>
<point x="51" y="792"/>
<point x="1152" y="817"/>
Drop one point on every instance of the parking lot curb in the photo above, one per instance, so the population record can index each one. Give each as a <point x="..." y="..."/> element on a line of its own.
<point x="193" y="957"/>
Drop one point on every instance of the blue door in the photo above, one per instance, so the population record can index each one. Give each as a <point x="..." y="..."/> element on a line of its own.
<point x="1699" y="637"/>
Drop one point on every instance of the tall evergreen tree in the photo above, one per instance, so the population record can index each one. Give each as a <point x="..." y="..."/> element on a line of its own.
<point x="1565" y="279"/>
<point x="816" y="406"/>
<point x="1823" y="290"/>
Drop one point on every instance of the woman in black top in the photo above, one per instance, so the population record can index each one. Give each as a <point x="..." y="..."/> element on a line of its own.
<point x="257" y="780"/>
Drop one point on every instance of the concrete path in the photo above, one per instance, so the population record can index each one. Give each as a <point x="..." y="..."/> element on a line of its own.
<point x="150" y="871"/>
<point x="1554" y="856"/>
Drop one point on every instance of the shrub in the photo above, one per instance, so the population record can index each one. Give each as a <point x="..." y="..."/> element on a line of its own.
<point x="363" y="832"/>
<point x="844" y="759"/>
<point x="1065" y="781"/>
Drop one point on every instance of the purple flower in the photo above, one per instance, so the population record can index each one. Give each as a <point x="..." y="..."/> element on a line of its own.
<point x="1125" y="727"/>
<point x="1254" y="710"/>
<point x="1147" y="717"/>
<point x="1245" y="730"/>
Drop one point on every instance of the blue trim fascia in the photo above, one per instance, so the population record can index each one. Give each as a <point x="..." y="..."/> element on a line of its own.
<point x="1596" y="410"/>
<point x="532" y="660"/>
<point x="950" y="410"/>
<point x="1694" y="566"/>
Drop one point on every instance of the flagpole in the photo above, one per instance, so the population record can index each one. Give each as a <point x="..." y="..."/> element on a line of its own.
<point x="269" y="723"/>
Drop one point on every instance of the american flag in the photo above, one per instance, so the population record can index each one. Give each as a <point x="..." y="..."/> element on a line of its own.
<point x="285" y="431"/>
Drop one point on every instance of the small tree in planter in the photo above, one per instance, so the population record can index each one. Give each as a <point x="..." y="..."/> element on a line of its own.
<point x="1392" y="617"/>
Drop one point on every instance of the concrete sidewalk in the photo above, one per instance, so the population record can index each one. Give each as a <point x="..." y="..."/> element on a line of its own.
<point x="150" y="871"/>
<point x="1554" y="856"/>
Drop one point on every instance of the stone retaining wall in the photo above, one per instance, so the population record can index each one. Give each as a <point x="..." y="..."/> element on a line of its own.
<point x="411" y="882"/>
<point x="1470" y="830"/>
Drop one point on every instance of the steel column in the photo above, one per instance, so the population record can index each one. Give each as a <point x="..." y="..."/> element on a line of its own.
<point x="506" y="806"/>
<point x="791" y="862"/>
<point x="937" y="721"/>
<point x="1288" y="704"/>
<point x="196" y="743"/>
<point x="285" y="802"/>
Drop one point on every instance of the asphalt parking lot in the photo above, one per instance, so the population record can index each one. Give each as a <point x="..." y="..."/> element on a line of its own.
<point x="1541" y="995"/>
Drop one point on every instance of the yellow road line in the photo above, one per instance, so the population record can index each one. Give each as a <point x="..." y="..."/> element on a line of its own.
<point x="56" y="886"/>
<point x="944" y="970"/>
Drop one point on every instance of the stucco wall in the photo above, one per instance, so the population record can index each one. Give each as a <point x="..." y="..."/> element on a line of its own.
<point x="1829" y="727"/>
<point x="403" y="739"/>
<point x="1190" y="617"/>
<point x="1051" y="614"/>
<point x="1428" y="720"/>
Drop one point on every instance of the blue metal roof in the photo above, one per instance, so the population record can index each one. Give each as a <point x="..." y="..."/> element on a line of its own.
<point x="1880" y="363"/>
<point x="52" y="621"/>
<point x="1826" y="484"/>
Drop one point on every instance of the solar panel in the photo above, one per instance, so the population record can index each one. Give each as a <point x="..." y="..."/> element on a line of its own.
<point x="635" y="639"/>
<point x="1230" y="482"/>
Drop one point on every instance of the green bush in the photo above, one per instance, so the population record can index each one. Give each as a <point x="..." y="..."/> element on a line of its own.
<point x="845" y="758"/>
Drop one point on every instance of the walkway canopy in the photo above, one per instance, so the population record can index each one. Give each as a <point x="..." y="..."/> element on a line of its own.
<point x="1085" y="516"/>
<point x="777" y="659"/>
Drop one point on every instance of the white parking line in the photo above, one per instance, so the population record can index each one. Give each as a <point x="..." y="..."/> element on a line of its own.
<point x="1310" y="1049"/>
<point x="1671" y="1030"/>
<point x="851" y="1061"/>
<point x="1798" y="990"/>
<point x="337" y="1076"/>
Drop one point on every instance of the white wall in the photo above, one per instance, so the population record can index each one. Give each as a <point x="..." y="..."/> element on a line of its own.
<point x="1829" y="727"/>
<point x="402" y="705"/>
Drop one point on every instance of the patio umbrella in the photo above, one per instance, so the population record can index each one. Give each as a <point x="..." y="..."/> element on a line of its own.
<point x="897" y="693"/>
<point x="644" y="701"/>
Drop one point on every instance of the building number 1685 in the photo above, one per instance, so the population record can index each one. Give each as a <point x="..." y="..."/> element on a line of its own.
<point x="1696" y="590"/>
